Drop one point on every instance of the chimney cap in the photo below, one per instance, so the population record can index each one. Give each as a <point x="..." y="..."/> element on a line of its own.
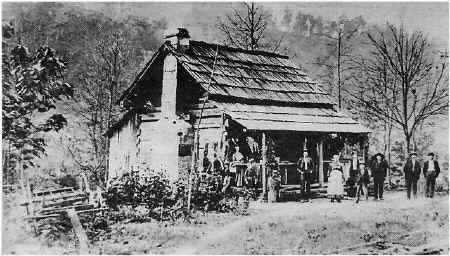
<point x="182" y="33"/>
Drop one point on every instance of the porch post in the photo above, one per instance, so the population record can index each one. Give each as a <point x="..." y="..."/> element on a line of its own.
<point x="321" y="179"/>
<point x="264" y="160"/>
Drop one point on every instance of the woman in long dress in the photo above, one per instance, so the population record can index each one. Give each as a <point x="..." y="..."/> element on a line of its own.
<point x="336" y="180"/>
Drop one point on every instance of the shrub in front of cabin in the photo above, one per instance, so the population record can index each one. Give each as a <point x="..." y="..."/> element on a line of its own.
<point x="142" y="198"/>
<point x="154" y="197"/>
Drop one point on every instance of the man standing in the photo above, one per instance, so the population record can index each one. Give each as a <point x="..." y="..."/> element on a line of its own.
<point x="305" y="167"/>
<point x="379" y="171"/>
<point x="430" y="172"/>
<point x="412" y="174"/>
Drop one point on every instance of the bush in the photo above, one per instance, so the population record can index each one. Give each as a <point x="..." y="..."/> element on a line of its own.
<point x="163" y="201"/>
<point x="155" y="193"/>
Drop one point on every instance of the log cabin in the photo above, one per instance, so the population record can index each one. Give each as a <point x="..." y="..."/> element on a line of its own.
<point x="194" y="100"/>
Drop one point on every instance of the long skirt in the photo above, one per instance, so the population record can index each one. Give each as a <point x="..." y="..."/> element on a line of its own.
<point x="335" y="184"/>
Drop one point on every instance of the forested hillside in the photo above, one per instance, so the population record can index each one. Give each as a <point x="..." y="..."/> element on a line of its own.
<point x="103" y="49"/>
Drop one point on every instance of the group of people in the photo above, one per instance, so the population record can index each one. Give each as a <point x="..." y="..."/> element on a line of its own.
<point x="412" y="171"/>
<point x="361" y="178"/>
<point x="241" y="170"/>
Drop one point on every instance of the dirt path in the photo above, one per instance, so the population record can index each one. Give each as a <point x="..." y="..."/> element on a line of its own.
<point x="302" y="214"/>
<point x="214" y="236"/>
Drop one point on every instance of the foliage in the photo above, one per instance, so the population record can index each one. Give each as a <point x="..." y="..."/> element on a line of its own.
<point x="104" y="54"/>
<point x="108" y="67"/>
<point x="154" y="193"/>
<point x="33" y="83"/>
<point x="153" y="197"/>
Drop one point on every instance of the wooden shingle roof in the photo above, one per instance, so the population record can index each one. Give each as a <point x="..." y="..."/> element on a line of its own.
<point x="254" y="75"/>
<point x="260" y="90"/>
<point x="285" y="118"/>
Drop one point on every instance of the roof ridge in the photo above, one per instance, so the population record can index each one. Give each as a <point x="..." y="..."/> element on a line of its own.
<point x="236" y="49"/>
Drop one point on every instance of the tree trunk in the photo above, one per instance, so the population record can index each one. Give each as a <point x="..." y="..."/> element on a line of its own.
<point x="408" y="144"/>
<point x="339" y="70"/>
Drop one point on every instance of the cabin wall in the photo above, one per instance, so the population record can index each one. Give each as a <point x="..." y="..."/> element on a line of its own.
<point x="210" y="130"/>
<point x="123" y="150"/>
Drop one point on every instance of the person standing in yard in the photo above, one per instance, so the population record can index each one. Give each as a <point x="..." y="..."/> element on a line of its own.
<point x="412" y="174"/>
<point x="305" y="167"/>
<point x="336" y="180"/>
<point x="379" y="171"/>
<point x="362" y="180"/>
<point x="430" y="172"/>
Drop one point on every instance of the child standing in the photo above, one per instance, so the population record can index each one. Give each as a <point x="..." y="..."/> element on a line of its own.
<point x="273" y="183"/>
<point x="362" y="180"/>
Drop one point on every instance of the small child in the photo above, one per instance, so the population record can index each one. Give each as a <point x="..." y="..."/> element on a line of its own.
<point x="362" y="182"/>
<point x="273" y="183"/>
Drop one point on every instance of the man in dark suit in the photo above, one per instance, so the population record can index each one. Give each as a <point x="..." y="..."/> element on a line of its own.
<point x="379" y="171"/>
<point x="412" y="174"/>
<point x="430" y="172"/>
<point x="305" y="167"/>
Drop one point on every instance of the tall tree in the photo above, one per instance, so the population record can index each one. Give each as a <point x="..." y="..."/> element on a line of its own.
<point x="247" y="28"/>
<point x="32" y="83"/>
<point x="104" y="55"/>
<point x="340" y="40"/>
<point x="417" y="89"/>
<point x="111" y="61"/>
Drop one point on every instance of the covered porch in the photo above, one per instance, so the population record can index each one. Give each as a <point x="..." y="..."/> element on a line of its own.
<point x="280" y="134"/>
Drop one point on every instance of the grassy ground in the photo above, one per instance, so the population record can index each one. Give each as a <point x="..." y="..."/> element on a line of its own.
<point x="321" y="228"/>
<point x="398" y="226"/>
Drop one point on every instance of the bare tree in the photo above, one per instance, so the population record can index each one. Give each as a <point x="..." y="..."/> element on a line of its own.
<point x="404" y="84"/>
<point x="247" y="28"/>
<point x="338" y="57"/>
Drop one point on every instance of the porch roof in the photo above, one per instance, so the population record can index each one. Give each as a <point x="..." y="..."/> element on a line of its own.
<point x="285" y="118"/>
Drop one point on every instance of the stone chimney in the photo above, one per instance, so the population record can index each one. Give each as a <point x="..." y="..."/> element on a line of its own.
<point x="180" y="39"/>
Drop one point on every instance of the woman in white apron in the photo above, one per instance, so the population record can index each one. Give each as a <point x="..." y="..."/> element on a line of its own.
<point x="335" y="190"/>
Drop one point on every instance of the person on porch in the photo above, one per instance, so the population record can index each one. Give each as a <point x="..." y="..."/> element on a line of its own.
<point x="379" y="171"/>
<point x="218" y="166"/>
<point x="335" y="190"/>
<point x="236" y="165"/>
<point x="250" y="176"/>
<point x="412" y="174"/>
<point x="274" y="185"/>
<point x="353" y="173"/>
<point x="430" y="172"/>
<point x="305" y="167"/>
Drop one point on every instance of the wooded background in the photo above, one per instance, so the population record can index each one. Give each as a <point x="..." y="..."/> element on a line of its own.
<point x="392" y="78"/>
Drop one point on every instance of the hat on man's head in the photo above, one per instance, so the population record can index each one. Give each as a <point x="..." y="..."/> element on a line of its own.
<point x="379" y="154"/>
<point x="412" y="153"/>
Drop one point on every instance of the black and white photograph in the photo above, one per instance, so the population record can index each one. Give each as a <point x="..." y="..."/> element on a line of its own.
<point x="225" y="128"/>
